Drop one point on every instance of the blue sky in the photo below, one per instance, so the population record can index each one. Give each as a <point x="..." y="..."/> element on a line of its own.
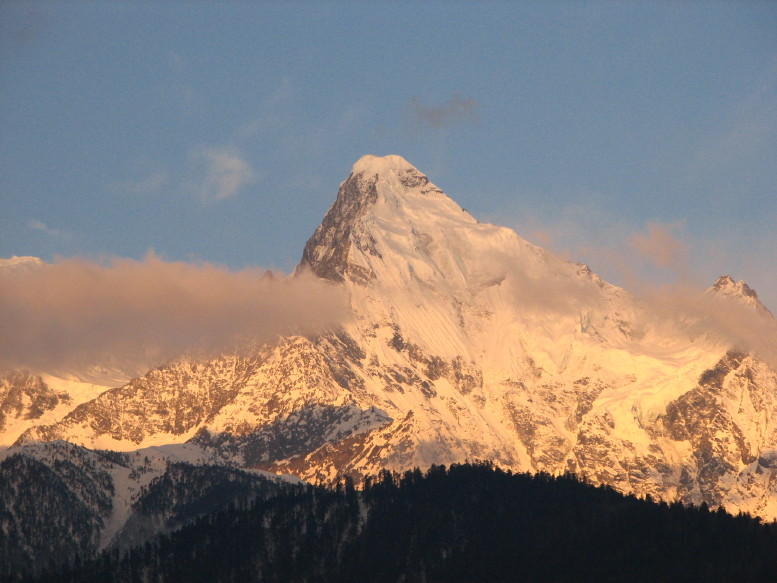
<point x="639" y="137"/>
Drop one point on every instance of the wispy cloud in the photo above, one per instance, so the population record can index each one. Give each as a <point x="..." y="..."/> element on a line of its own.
<point x="281" y="94"/>
<point x="661" y="264"/>
<point x="74" y="312"/>
<point x="654" y="265"/>
<point x="225" y="172"/>
<point x="42" y="227"/>
<point x="638" y="254"/>
<point x="661" y="245"/>
<point x="150" y="184"/>
<point x="456" y="110"/>
<point x="268" y="117"/>
<point x="722" y="320"/>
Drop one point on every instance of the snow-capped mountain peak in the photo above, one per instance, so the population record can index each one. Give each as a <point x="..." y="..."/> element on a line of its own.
<point x="390" y="225"/>
<point x="392" y="163"/>
<point x="382" y="195"/>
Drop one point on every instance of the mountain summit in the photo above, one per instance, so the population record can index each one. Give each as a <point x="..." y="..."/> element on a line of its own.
<point x="380" y="191"/>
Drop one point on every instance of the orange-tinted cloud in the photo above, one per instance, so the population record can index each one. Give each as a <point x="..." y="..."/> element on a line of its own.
<point x="661" y="246"/>
<point x="137" y="314"/>
<point x="720" y="319"/>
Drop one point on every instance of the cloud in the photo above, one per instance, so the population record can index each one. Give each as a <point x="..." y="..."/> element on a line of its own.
<point x="676" y="312"/>
<point x="660" y="245"/>
<point x="724" y="320"/>
<point x="42" y="227"/>
<point x="540" y="283"/>
<point x="148" y="185"/>
<point x="455" y="110"/>
<point x="270" y="116"/>
<point x="76" y="313"/>
<point x="226" y="172"/>
<point x="279" y="95"/>
<point x="628" y="254"/>
<point x="664" y="267"/>
<point x="656" y="256"/>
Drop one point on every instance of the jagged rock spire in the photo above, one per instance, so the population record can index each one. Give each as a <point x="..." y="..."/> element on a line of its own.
<point x="326" y="252"/>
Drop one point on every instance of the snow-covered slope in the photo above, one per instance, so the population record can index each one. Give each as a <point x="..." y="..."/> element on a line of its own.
<point x="466" y="342"/>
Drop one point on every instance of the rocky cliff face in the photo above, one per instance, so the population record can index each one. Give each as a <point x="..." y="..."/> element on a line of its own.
<point x="28" y="400"/>
<point x="25" y="396"/>
<point x="466" y="342"/>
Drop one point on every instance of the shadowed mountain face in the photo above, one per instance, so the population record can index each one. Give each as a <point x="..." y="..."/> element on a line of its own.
<point x="465" y="342"/>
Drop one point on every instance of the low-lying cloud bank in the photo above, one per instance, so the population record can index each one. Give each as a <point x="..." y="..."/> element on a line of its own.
<point x="133" y="314"/>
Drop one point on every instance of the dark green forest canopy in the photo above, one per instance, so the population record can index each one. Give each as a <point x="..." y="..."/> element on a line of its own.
<point x="469" y="522"/>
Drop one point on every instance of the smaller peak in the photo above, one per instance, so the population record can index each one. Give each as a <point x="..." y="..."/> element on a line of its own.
<point x="724" y="281"/>
<point x="726" y="287"/>
<point x="382" y="164"/>
<point x="725" y="284"/>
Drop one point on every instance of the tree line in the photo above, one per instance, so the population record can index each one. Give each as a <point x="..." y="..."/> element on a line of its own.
<point x="466" y="523"/>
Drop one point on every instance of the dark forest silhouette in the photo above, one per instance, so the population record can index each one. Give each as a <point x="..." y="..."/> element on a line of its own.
<point x="469" y="522"/>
